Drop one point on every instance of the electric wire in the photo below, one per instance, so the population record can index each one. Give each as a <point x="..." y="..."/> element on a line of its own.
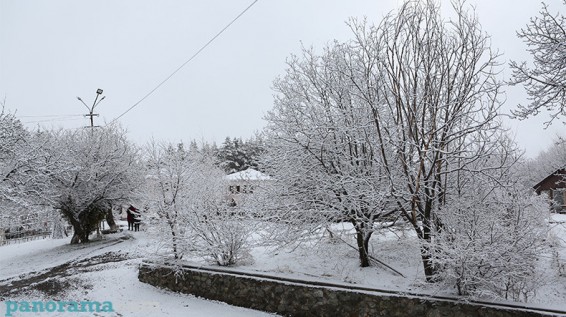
<point x="185" y="63"/>
<point x="50" y="118"/>
<point x="53" y="115"/>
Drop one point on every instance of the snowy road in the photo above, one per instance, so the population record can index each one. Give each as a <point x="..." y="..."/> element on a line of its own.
<point x="52" y="270"/>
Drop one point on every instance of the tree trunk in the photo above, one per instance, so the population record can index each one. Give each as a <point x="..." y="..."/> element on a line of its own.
<point x="110" y="220"/>
<point x="175" y="252"/>
<point x="75" y="239"/>
<point x="173" y="236"/>
<point x="362" y="240"/>
<point x="79" y="236"/>
<point x="424" y="236"/>
<point x="427" y="238"/>
<point x="78" y="232"/>
<point x="427" y="263"/>
<point x="85" y="220"/>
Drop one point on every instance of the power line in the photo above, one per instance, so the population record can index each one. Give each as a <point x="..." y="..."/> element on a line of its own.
<point x="53" y="120"/>
<point x="186" y="62"/>
<point x="53" y="116"/>
<point x="50" y="118"/>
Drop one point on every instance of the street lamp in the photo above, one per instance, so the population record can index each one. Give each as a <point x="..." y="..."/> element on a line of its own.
<point x="94" y="104"/>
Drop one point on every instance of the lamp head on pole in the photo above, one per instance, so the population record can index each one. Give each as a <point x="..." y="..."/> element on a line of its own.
<point x="99" y="91"/>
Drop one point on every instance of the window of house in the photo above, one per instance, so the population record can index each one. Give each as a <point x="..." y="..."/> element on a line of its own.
<point x="558" y="196"/>
<point x="234" y="189"/>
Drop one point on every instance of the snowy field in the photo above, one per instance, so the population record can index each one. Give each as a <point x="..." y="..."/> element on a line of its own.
<point x="323" y="258"/>
<point x="106" y="270"/>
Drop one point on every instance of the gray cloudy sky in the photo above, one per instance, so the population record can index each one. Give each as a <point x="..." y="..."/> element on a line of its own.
<point x="53" y="51"/>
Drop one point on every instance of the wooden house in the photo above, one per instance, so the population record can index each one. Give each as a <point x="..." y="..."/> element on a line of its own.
<point x="554" y="186"/>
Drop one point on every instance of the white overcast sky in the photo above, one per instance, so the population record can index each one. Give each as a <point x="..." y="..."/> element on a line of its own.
<point x="53" y="51"/>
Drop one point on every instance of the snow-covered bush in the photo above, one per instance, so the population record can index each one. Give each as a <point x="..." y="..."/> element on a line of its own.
<point x="216" y="230"/>
<point x="491" y="241"/>
<point x="190" y="196"/>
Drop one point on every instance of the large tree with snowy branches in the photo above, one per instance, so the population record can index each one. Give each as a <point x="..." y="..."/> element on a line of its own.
<point x="389" y="120"/>
<point x="95" y="169"/>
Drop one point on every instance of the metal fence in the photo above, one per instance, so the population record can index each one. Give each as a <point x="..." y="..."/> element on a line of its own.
<point x="22" y="236"/>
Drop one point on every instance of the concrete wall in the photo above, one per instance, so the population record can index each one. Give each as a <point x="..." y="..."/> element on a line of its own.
<point x="300" y="299"/>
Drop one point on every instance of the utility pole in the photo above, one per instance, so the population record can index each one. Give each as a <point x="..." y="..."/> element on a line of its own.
<point x="91" y="109"/>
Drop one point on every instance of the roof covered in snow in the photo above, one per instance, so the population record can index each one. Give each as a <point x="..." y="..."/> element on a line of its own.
<point x="248" y="175"/>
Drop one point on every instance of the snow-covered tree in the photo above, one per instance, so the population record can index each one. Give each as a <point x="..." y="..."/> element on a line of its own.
<point x="94" y="169"/>
<point x="169" y="173"/>
<point x="432" y="89"/>
<point x="236" y="155"/>
<point x="321" y="148"/>
<point x="13" y="138"/>
<point x="190" y="195"/>
<point x="546" y="162"/>
<point x="545" y="82"/>
<point x="18" y="157"/>
<point x="13" y="142"/>
<point x="387" y="121"/>
<point x="23" y="162"/>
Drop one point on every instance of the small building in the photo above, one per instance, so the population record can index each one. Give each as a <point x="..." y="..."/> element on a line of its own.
<point x="244" y="182"/>
<point x="554" y="186"/>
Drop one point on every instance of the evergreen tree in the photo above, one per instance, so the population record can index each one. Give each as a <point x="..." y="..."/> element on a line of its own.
<point x="236" y="155"/>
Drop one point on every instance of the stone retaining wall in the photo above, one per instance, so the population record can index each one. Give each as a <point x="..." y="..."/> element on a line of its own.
<point x="298" y="299"/>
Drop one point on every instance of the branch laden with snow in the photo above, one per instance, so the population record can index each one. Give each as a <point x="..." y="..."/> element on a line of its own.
<point x="545" y="82"/>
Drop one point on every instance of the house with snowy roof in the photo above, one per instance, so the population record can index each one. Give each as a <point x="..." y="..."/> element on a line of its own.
<point x="245" y="182"/>
<point x="554" y="186"/>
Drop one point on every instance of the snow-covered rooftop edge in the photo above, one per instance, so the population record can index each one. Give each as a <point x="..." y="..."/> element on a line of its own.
<point x="248" y="175"/>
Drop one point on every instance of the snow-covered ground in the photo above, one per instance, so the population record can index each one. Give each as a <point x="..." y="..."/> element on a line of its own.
<point x="106" y="270"/>
<point x="332" y="260"/>
<point x="100" y="271"/>
<point x="329" y="259"/>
